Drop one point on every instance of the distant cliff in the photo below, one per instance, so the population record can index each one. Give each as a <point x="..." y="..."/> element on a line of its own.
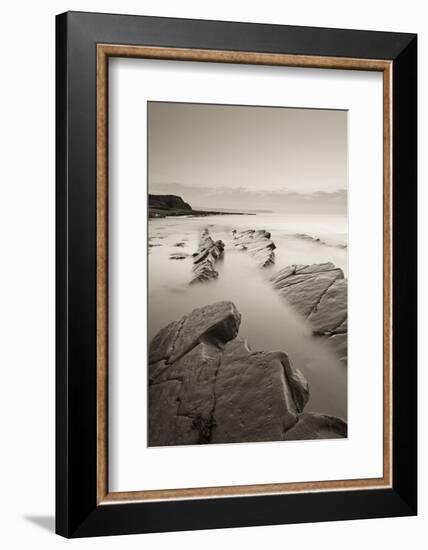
<point x="167" y="205"/>
<point x="161" y="206"/>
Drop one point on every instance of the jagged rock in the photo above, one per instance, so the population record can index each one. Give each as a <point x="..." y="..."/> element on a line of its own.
<point x="217" y="323"/>
<point x="306" y="237"/>
<point x="207" y="386"/>
<point x="178" y="256"/>
<point x="258" y="243"/>
<point x="203" y="260"/>
<point x="317" y="426"/>
<point x="319" y="292"/>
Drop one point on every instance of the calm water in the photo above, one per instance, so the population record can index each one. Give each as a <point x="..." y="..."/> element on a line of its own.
<point x="268" y="323"/>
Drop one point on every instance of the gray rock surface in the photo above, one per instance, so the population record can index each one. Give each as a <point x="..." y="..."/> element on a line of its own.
<point x="331" y="310"/>
<point x="209" y="251"/>
<point x="256" y="399"/>
<point x="258" y="243"/>
<point x="178" y="256"/>
<point x="217" y="323"/>
<point x="317" y="426"/>
<point x="319" y="292"/>
<point x="309" y="238"/>
<point x="207" y="386"/>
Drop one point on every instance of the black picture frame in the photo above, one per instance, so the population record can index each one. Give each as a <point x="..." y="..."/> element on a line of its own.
<point x="77" y="511"/>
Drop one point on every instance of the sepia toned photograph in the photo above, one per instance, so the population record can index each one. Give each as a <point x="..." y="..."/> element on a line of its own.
<point x="247" y="273"/>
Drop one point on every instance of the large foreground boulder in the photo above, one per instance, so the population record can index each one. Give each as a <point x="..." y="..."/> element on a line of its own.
<point x="207" y="386"/>
<point x="258" y="243"/>
<point x="319" y="292"/>
<point x="217" y="324"/>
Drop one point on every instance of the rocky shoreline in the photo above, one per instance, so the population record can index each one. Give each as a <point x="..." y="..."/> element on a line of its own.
<point x="161" y="206"/>
<point x="205" y="383"/>
<point x="207" y="386"/>
<point x="318" y="292"/>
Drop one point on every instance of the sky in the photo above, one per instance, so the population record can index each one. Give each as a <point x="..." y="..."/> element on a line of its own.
<point x="249" y="158"/>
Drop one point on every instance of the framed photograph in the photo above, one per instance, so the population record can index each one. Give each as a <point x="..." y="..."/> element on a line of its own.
<point x="236" y="274"/>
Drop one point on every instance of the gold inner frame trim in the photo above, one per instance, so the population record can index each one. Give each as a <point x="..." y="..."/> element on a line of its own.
<point x="104" y="51"/>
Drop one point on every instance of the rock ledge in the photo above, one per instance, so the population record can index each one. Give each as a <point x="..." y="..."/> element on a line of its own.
<point x="258" y="243"/>
<point x="207" y="386"/>
<point x="319" y="292"/>
<point x="209" y="251"/>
